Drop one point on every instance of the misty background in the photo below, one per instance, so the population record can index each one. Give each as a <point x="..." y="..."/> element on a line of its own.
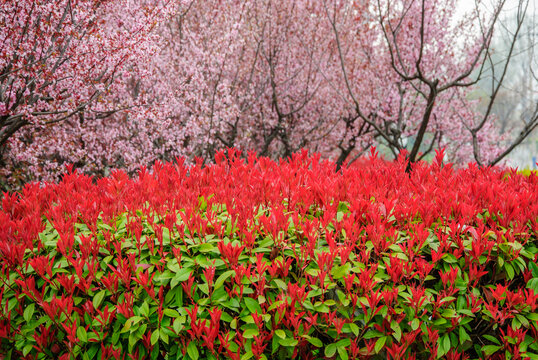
<point x="517" y="99"/>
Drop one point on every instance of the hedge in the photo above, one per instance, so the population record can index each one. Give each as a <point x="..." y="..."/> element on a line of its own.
<point x="251" y="258"/>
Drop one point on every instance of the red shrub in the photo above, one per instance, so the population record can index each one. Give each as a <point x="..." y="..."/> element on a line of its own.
<point x="289" y="258"/>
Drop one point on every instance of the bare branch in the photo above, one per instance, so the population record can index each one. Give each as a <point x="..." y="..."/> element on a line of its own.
<point x="527" y="130"/>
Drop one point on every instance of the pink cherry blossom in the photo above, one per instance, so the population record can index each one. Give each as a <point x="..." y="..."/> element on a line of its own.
<point x="154" y="79"/>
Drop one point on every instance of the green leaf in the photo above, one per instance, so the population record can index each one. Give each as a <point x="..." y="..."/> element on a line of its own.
<point x="155" y="352"/>
<point x="315" y="341"/>
<point x="340" y="271"/>
<point x="204" y="287"/>
<point x="280" y="333"/>
<point x="448" y="313"/>
<point x="344" y="342"/>
<point x="115" y="337"/>
<point x="171" y="313"/>
<point x="322" y="308"/>
<point x="129" y="323"/>
<point x="523" y="320"/>
<point x="446" y="342"/>
<point x="127" y="326"/>
<point x="222" y="278"/>
<point x="247" y="355"/>
<point x="354" y="329"/>
<point x="182" y="275"/>
<point x="444" y="345"/>
<point x="192" y="350"/>
<point x="253" y="305"/>
<point x="397" y="330"/>
<point x="330" y="350"/>
<point x="206" y="247"/>
<point x="166" y="275"/>
<point x="178" y="297"/>
<point x="281" y="284"/>
<point x="144" y="309"/>
<point x="288" y="342"/>
<point x="275" y="344"/>
<point x="533" y="284"/>
<point x="509" y="271"/>
<point x="379" y="344"/>
<point x="178" y="325"/>
<point x="92" y="351"/>
<point x="463" y="335"/>
<point x="466" y="312"/>
<point x="415" y="323"/>
<point x="155" y="337"/>
<point x="493" y="339"/>
<point x="372" y="334"/>
<point x="449" y="258"/>
<point x="343" y="353"/>
<point x="98" y="299"/>
<point x="532" y="356"/>
<point x="82" y="334"/>
<point x="250" y="333"/>
<point x="490" y="349"/>
<point x="26" y="350"/>
<point x="29" y="312"/>
<point x="515" y="323"/>
<point x="534" y="269"/>
<point x="343" y="207"/>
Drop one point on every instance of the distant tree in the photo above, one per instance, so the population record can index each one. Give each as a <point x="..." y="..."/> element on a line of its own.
<point x="437" y="62"/>
<point x="510" y="73"/>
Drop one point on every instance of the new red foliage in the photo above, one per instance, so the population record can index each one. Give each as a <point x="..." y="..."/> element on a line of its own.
<point x="274" y="260"/>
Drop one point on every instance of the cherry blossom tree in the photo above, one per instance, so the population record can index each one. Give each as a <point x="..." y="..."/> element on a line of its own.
<point x="397" y="72"/>
<point x="333" y="76"/>
<point x="428" y="66"/>
<point x="62" y="62"/>
<point x="509" y="78"/>
<point x="436" y="63"/>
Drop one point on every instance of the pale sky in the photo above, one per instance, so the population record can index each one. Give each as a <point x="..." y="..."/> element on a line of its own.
<point x="511" y="5"/>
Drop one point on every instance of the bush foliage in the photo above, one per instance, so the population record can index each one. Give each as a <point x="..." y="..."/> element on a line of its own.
<point x="265" y="260"/>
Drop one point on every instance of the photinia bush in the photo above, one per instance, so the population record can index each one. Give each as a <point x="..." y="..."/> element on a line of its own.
<point x="251" y="258"/>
